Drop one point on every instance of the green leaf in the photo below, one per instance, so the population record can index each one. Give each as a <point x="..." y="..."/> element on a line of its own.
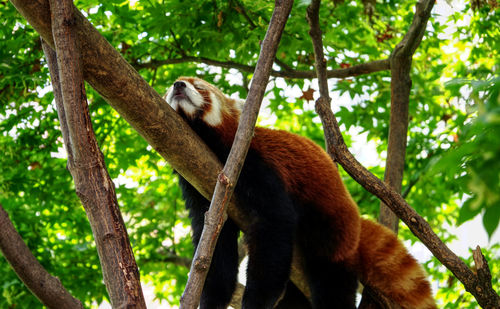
<point x="491" y="219"/>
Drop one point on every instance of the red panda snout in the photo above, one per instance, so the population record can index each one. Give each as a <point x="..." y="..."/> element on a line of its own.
<point x="198" y="99"/>
<point x="183" y="95"/>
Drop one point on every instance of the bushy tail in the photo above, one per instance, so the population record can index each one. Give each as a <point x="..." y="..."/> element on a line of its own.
<point x="384" y="264"/>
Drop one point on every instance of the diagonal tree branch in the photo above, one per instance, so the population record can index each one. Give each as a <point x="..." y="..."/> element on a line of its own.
<point x="47" y="288"/>
<point x="144" y="109"/>
<point x="286" y="72"/>
<point x="216" y="215"/>
<point x="92" y="182"/>
<point x="481" y="289"/>
<point x="320" y="64"/>
<point x="484" y="294"/>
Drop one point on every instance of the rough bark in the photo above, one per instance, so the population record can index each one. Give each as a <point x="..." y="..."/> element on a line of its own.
<point x="374" y="298"/>
<point x="47" y="288"/>
<point x="134" y="99"/>
<point x="216" y="215"/>
<point x="144" y="109"/>
<point x="400" y="61"/>
<point x="481" y="290"/>
<point x="92" y="182"/>
<point x="484" y="287"/>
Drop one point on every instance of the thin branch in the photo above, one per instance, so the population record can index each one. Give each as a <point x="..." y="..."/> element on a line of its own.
<point x="178" y="44"/>
<point x="47" y="288"/>
<point x="287" y="72"/>
<point x="240" y="8"/>
<point x="92" y="182"/>
<point x="401" y="60"/>
<point x="412" y="39"/>
<point x="320" y="64"/>
<point x="216" y="215"/>
<point x="483" y="294"/>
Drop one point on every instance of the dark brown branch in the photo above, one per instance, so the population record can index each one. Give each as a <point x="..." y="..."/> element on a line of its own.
<point x="216" y="215"/>
<point x="320" y="64"/>
<point x="92" y="182"/>
<point x="240" y="8"/>
<point x="412" y="39"/>
<point x="401" y="60"/>
<point x="319" y="57"/>
<point x="47" y="288"/>
<point x="405" y="212"/>
<point x="484" y="277"/>
<point x="287" y="72"/>
<point x="483" y="293"/>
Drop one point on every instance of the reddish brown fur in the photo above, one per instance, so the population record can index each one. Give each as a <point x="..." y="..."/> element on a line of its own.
<point x="308" y="172"/>
<point x="384" y="263"/>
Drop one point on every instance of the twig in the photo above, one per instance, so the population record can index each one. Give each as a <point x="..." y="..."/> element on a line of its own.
<point x="47" y="288"/>
<point x="216" y="215"/>
<point x="92" y="182"/>
<point x="240" y="8"/>
<point x="287" y="72"/>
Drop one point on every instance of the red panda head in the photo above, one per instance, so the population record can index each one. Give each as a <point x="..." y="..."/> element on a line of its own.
<point x="197" y="98"/>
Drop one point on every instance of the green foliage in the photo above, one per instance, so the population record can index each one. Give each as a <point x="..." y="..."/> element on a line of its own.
<point x="478" y="170"/>
<point x="451" y="173"/>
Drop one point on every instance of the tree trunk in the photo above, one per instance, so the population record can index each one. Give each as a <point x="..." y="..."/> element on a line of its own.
<point x="86" y="163"/>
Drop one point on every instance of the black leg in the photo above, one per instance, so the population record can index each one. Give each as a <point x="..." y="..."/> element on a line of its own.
<point x="332" y="284"/>
<point x="221" y="279"/>
<point x="270" y="236"/>
<point x="270" y="246"/>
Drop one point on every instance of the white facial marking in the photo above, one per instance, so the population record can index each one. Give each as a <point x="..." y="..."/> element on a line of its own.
<point x="168" y="97"/>
<point x="190" y="102"/>
<point x="214" y="116"/>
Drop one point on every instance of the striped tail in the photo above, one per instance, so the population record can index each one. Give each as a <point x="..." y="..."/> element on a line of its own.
<point x="384" y="264"/>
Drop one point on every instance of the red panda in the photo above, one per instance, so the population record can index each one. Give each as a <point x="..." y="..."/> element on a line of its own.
<point x="293" y="192"/>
